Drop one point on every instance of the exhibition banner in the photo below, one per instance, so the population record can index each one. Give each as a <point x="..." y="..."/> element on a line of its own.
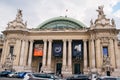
<point x="38" y="50"/>
<point x="76" y="49"/>
<point x="57" y="49"/>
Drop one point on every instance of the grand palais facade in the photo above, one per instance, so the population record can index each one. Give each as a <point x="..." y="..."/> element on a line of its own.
<point x="63" y="45"/>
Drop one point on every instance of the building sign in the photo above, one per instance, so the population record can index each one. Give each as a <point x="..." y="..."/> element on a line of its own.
<point x="57" y="49"/>
<point x="38" y="50"/>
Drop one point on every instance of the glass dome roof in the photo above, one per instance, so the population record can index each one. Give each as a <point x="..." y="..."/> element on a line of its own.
<point x="61" y="23"/>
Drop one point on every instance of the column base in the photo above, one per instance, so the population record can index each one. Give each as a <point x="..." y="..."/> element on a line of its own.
<point x="18" y="68"/>
<point x="93" y="70"/>
<point x="48" y="69"/>
<point x="1" y="69"/>
<point x="22" y="68"/>
<point x="85" y="71"/>
<point x="66" y="71"/>
<point x="28" y="69"/>
<point x="44" y="69"/>
<point x="116" y="72"/>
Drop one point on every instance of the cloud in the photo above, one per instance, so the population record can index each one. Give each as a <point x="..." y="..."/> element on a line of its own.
<point x="37" y="11"/>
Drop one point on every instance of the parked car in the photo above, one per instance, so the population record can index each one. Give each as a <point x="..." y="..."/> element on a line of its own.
<point x="20" y="74"/>
<point x="40" y="76"/>
<point x="5" y="73"/>
<point x="12" y="75"/>
<point x="107" y="78"/>
<point x="78" y="77"/>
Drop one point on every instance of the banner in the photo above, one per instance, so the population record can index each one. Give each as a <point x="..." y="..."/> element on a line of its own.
<point x="38" y="50"/>
<point x="77" y="49"/>
<point x="105" y="51"/>
<point x="57" y="49"/>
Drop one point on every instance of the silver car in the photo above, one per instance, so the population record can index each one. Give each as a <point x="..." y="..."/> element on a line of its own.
<point x="40" y="76"/>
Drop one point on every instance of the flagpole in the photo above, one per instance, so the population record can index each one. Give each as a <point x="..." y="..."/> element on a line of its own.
<point x="66" y="12"/>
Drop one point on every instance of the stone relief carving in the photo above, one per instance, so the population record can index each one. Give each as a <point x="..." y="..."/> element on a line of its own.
<point x="106" y="60"/>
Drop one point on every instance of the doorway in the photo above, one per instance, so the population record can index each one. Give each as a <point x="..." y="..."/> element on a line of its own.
<point x="58" y="68"/>
<point x="40" y="65"/>
<point x="108" y="73"/>
<point x="77" y="68"/>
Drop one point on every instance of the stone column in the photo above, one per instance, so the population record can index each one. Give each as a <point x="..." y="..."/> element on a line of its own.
<point x="85" y="57"/>
<point x="30" y="54"/>
<point x="17" y="51"/>
<point x="112" y="54"/>
<point x="64" y="57"/>
<point x="22" y="52"/>
<point x="70" y="56"/>
<point x="117" y="53"/>
<point x="85" y="54"/>
<point x="90" y="56"/>
<point x="49" y="56"/>
<point x="93" y="53"/>
<point x="98" y="54"/>
<point x="26" y="52"/>
<point x="4" y="52"/>
<point x="44" y="55"/>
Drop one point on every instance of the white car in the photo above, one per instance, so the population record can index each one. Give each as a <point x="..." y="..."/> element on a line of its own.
<point x="26" y="77"/>
<point x="41" y="76"/>
<point x="11" y="75"/>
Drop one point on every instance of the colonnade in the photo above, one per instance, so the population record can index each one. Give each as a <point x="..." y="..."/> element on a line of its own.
<point x="95" y="53"/>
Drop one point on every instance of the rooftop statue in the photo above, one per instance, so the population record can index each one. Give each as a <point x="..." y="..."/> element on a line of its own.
<point x="19" y="16"/>
<point x="100" y="10"/>
<point x="113" y="22"/>
<point x="91" y="22"/>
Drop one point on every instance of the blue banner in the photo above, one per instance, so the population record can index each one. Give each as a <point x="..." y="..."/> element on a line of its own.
<point x="77" y="50"/>
<point x="57" y="49"/>
<point x="105" y="51"/>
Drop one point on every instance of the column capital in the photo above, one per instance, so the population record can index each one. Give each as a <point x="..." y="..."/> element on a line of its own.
<point x="31" y="40"/>
<point x="85" y="40"/>
<point x="50" y="40"/>
<point x="44" y="40"/>
<point x="69" y="40"/>
<point x="64" y="40"/>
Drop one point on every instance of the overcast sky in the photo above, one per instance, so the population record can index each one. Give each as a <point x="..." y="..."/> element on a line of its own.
<point x="37" y="11"/>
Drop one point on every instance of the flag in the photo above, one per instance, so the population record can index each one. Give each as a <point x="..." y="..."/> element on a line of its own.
<point x="38" y="50"/>
<point x="57" y="49"/>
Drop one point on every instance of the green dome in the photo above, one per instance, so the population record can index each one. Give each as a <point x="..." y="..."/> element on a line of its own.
<point x="61" y="23"/>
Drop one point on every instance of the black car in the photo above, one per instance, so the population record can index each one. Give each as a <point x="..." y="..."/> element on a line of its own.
<point x="78" y="77"/>
<point x="4" y="73"/>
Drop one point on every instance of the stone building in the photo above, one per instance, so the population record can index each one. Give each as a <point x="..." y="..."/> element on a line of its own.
<point x="63" y="45"/>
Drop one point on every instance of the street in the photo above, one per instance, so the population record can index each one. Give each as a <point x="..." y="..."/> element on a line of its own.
<point x="10" y="79"/>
